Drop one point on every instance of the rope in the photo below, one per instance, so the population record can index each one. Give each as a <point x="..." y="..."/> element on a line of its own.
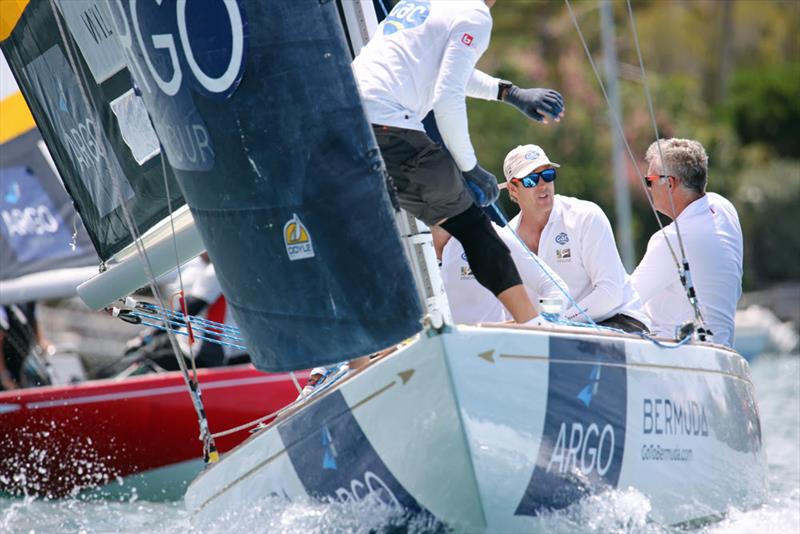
<point x="681" y="266"/>
<point x="621" y="131"/>
<point x="543" y="268"/>
<point x="296" y="384"/>
<point x="181" y="324"/>
<point x="178" y="316"/>
<point x="336" y="371"/>
<point x="383" y="8"/>
<point x="209" y="448"/>
<point x="685" y="276"/>
<point x="204" y="338"/>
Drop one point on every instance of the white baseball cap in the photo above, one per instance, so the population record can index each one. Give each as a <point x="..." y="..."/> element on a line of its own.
<point x="522" y="161"/>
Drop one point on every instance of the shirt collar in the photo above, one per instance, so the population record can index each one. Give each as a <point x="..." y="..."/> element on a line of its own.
<point x="555" y="213"/>
<point x="697" y="207"/>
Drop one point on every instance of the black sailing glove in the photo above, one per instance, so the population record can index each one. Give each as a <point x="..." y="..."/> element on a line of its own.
<point x="536" y="103"/>
<point x="482" y="185"/>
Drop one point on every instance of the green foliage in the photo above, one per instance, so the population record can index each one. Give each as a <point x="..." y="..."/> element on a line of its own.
<point x="764" y="107"/>
<point x="768" y="200"/>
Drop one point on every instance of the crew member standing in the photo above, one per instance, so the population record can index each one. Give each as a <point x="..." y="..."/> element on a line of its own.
<point x="422" y="58"/>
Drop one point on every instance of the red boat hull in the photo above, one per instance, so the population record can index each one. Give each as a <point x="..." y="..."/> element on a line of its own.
<point x="57" y="441"/>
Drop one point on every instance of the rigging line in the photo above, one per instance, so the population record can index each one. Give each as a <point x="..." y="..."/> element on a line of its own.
<point x="182" y="324"/>
<point x="621" y="131"/>
<point x="198" y="336"/>
<point x="209" y="448"/>
<point x="650" y="108"/>
<point x="261" y="419"/>
<point x="543" y="268"/>
<point x="177" y="256"/>
<point x="146" y="306"/>
<point x="383" y="8"/>
<point x="297" y="384"/>
<point x="684" y="273"/>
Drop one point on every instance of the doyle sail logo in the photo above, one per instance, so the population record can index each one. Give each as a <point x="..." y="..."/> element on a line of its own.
<point x="405" y="15"/>
<point x="583" y="440"/>
<point x="297" y="239"/>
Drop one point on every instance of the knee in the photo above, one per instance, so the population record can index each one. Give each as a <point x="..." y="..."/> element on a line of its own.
<point x="487" y="255"/>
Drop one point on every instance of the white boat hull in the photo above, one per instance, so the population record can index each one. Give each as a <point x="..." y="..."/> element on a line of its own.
<point x="488" y="428"/>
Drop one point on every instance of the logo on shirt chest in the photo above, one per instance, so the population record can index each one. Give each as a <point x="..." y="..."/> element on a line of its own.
<point x="562" y="238"/>
<point x="563" y="255"/>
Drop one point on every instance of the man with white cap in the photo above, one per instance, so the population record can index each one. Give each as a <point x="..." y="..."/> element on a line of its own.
<point x="470" y="303"/>
<point x="575" y="239"/>
<point x="422" y="58"/>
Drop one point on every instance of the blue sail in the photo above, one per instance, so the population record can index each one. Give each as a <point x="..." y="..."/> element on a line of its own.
<point x="259" y="116"/>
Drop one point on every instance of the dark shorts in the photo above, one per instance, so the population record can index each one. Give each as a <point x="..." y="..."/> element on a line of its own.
<point x="429" y="184"/>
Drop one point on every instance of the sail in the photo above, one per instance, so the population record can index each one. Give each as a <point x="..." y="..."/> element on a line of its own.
<point x="71" y="69"/>
<point x="258" y="113"/>
<point x="44" y="248"/>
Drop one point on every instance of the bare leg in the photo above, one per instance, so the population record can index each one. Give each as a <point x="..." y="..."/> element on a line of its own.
<point x="517" y="302"/>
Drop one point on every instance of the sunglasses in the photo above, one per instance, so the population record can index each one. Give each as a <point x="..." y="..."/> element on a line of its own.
<point x="650" y="178"/>
<point x="532" y="180"/>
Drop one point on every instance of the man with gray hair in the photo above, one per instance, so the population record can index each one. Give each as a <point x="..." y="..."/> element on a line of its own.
<point x="712" y="238"/>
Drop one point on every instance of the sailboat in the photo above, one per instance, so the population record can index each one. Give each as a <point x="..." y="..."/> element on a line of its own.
<point x="479" y="427"/>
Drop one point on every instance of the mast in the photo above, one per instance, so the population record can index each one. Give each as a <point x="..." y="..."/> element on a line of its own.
<point x="621" y="193"/>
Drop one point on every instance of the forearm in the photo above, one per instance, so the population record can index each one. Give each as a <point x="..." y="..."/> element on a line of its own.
<point x="599" y="303"/>
<point x="483" y="86"/>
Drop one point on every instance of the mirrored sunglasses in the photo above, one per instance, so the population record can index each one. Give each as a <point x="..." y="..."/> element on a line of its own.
<point x="532" y="180"/>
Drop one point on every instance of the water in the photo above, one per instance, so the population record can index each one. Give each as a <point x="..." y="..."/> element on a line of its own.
<point x="777" y="379"/>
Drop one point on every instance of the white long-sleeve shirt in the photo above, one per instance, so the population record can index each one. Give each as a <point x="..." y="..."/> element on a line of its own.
<point x="472" y="303"/>
<point x="712" y="238"/>
<point x="577" y="242"/>
<point x="422" y="58"/>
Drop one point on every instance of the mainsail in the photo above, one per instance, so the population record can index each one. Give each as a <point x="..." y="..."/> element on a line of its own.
<point x="264" y="130"/>
<point x="71" y="70"/>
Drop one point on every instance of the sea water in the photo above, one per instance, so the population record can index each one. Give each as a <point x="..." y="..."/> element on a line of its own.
<point x="777" y="379"/>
